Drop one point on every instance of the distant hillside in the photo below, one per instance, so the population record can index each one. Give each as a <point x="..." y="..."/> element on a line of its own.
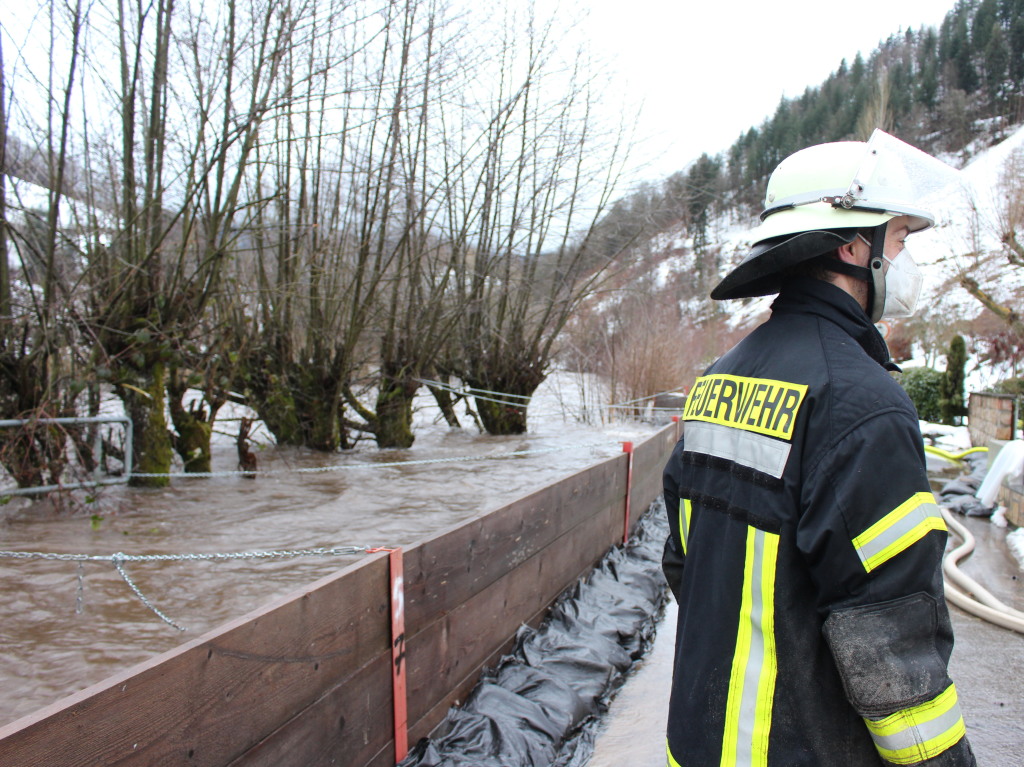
<point x="950" y="91"/>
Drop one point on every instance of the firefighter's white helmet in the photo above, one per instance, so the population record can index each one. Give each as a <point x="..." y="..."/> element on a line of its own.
<point x="819" y="197"/>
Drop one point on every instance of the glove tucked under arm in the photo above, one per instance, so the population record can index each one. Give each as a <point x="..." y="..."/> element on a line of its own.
<point x="895" y="678"/>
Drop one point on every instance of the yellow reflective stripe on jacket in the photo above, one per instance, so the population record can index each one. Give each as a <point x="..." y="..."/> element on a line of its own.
<point x="685" y="508"/>
<point x="748" y="712"/>
<point x="898" y="530"/>
<point x="919" y="733"/>
<point x="761" y="405"/>
<point x="671" y="759"/>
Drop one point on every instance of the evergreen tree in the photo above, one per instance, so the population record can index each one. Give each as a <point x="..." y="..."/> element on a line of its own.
<point x="1016" y="44"/>
<point x="951" y="387"/>
<point x="985" y="18"/>
<point x="997" y="60"/>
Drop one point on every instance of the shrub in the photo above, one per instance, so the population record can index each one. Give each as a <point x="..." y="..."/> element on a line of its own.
<point x="1009" y="386"/>
<point x="924" y="385"/>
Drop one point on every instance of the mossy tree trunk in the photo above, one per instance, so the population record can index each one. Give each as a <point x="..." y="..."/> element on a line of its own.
<point x="193" y="426"/>
<point x="395" y="394"/>
<point x="142" y="392"/>
<point x="505" y="393"/>
<point x="299" y="402"/>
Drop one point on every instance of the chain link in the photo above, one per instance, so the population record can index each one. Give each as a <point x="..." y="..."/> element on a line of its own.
<point x="118" y="560"/>
<point x="215" y="557"/>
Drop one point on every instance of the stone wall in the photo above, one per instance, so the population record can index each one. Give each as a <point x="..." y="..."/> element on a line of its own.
<point x="1011" y="495"/>
<point x="991" y="417"/>
<point x="992" y="421"/>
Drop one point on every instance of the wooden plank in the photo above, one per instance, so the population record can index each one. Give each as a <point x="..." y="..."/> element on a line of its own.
<point x="449" y="653"/>
<point x="445" y="659"/>
<point x="447" y="569"/>
<point x="649" y="461"/>
<point x="431" y="718"/>
<point x="347" y="727"/>
<point x="209" y="700"/>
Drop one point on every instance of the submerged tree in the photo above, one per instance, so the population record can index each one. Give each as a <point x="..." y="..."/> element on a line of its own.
<point x="38" y="363"/>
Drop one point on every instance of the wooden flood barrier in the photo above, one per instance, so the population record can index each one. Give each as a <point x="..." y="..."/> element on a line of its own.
<point x="307" y="679"/>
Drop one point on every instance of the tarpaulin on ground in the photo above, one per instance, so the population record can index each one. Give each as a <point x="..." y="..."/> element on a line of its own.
<point x="960" y="494"/>
<point x="540" y="704"/>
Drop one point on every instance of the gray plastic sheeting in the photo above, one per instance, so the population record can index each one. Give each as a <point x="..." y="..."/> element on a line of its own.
<point x="959" y="494"/>
<point x="539" y="707"/>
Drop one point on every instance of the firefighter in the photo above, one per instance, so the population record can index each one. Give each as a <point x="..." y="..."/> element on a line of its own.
<point x="805" y="546"/>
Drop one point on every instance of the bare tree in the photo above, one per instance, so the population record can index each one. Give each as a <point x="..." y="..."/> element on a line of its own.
<point x="521" y="223"/>
<point x="36" y="358"/>
<point x="1006" y="225"/>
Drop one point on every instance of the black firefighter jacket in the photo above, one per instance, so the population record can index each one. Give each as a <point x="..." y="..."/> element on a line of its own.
<point x="805" y="553"/>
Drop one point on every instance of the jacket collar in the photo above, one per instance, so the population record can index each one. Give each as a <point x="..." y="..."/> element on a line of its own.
<point x="807" y="295"/>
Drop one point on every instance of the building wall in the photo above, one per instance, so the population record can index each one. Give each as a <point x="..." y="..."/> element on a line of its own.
<point x="992" y="421"/>
<point x="991" y="417"/>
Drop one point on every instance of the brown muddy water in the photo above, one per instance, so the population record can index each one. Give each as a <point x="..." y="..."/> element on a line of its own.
<point x="56" y="638"/>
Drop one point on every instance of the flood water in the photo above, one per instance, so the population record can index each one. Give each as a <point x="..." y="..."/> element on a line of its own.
<point x="51" y="649"/>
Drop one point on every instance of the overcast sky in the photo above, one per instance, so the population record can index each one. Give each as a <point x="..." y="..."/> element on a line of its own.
<point x="709" y="70"/>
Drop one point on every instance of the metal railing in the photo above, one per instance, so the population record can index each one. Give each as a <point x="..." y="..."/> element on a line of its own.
<point x="97" y="448"/>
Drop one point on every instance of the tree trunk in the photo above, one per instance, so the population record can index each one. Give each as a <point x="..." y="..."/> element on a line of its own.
<point x="151" y="439"/>
<point x="501" y="419"/>
<point x="444" y="401"/>
<point x="300" y="407"/>
<point x="503" y="408"/>
<point x="276" y="407"/>
<point x="394" y="411"/>
<point x="321" y="421"/>
<point x="193" y="427"/>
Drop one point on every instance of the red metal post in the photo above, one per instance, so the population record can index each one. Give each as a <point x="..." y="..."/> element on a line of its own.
<point x="398" y="654"/>
<point x="627" y="448"/>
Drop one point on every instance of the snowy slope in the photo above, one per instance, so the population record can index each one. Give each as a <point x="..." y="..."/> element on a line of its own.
<point x="966" y="238"/>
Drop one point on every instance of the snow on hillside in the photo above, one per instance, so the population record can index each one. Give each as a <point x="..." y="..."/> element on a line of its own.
<point x="967" y="237"/>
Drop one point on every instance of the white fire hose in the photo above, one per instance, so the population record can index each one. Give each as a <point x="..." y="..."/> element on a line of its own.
<point x="966" y="593"/>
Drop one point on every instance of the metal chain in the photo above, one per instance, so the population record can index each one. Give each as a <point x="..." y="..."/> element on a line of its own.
<point x="120" y="558"/>
<point x="117" y="559"/>
<point x="80" y="590"/>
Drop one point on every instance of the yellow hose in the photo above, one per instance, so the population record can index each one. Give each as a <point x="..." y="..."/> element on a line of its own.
<point x="953" y="457"/>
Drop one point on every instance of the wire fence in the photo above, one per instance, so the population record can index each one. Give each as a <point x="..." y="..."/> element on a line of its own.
<point x="635" y="408"/>
<point x="119" y="559"/>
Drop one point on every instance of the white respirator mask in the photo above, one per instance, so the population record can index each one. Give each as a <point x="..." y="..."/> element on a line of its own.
<point x="900" y="284"/>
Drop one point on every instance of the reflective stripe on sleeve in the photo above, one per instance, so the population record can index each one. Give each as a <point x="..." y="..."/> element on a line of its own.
<point x="748" y="712"/>
<point x="755" y="451"/>
<point x="685" y="508"/>
<point x="671" y="759"/>
<point x="919" y="733"/>
<point x="898" y="530"/>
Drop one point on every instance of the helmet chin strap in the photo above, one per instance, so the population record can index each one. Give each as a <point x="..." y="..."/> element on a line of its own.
<point x="876" y="287"/>
<point x="873" y="274"/>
